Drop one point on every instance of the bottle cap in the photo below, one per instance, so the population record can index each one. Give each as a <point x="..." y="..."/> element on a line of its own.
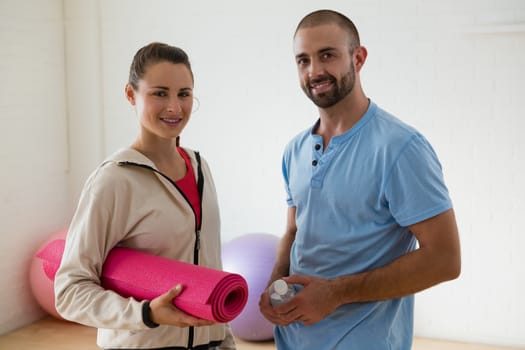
<point x="276" y="296"/>
<point x="280" y="287"/>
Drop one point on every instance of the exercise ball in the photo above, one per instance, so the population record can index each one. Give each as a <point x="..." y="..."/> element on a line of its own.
<point x="251" y="255"/>
<point x="42" y="286"/>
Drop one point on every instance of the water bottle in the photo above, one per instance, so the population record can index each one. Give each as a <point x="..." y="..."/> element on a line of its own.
<point x="280" y="292"/>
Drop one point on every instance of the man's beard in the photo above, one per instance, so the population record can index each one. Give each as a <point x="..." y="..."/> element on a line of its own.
<point x="341" y="89"/>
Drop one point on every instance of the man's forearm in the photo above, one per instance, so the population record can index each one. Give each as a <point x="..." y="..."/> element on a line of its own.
<point x="282" y="264"/>
<point x="407" y="275"/>
<point x="437" y="260"/>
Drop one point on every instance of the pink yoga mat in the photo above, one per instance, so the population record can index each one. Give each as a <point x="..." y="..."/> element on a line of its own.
<point x="208" y="293"/>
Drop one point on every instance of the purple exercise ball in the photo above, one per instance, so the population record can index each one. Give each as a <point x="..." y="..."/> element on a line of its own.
<point x="251" y="255"/>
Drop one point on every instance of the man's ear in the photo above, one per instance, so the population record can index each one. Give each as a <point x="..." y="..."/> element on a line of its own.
<point x="130" y="94"/>
<point x="360" y="57"/>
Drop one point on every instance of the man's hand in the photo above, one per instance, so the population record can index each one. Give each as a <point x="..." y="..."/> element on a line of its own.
<point x="312" y="304"/>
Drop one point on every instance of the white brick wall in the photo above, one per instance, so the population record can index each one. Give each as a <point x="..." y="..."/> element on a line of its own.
<point x="84" y="90"/>
<point x="454" y="69"/>
<point x="33" y="153"/>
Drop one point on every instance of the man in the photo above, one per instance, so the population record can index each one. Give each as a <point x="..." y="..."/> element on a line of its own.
<point x="369" y="222"/>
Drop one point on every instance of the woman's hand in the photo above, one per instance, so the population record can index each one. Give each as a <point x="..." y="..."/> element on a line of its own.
<point x="163" y="311"/>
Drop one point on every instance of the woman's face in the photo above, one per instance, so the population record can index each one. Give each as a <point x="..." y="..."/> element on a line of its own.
<point x="163" y="99"/>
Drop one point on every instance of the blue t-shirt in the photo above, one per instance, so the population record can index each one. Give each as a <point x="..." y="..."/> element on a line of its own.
<point x="354" y="201"/>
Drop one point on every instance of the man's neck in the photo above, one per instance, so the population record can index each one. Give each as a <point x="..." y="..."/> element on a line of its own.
<point x="341" y="117"/>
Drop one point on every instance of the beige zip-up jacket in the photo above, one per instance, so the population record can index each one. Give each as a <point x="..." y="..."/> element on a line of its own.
<point x="126" y="203"/>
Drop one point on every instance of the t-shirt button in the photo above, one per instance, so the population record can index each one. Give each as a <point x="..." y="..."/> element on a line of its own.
<point x="317" y="147"/>
<point x="314" y="162"/>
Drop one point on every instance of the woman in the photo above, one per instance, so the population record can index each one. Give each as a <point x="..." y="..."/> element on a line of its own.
<point x="155" y="197"/>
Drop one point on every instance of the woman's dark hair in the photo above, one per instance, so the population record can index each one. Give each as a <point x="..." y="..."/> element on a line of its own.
<point x="154" y="53"/>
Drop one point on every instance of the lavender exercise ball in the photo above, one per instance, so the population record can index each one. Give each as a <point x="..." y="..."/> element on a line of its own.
<point x="251" y="255"/>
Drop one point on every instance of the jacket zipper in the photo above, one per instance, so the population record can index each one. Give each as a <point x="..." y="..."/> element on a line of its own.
<point x="198" y="223"/>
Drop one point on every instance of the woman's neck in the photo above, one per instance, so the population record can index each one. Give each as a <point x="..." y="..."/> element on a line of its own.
<point x="164" y="155"/>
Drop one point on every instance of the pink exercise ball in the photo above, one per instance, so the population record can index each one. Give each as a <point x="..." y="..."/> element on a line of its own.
<point x="41" y="285"/>
<point x="251" y="255"/>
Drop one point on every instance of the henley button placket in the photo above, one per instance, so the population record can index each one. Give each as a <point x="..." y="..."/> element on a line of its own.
<point x="317" y="147"/>
<point x="318" y="167"/>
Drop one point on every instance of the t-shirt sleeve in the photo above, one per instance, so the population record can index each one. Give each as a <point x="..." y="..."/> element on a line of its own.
<point x="285" y="171"/>
<point x="415" y="189"/>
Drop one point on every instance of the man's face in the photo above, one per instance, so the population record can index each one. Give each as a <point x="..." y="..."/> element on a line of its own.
<point x="324" y="63"/>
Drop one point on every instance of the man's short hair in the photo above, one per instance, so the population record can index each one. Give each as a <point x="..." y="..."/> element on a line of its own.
<point x="321" y="17"/>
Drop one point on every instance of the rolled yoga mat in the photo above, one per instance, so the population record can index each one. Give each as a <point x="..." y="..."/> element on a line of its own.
<point x="208" y="293"/>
